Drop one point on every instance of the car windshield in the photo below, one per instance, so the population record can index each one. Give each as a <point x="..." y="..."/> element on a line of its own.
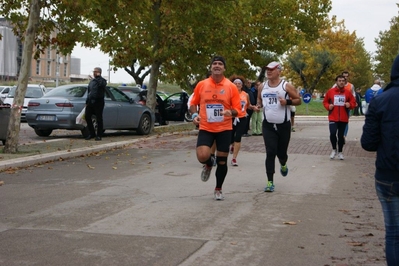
<point x="62" y="91"/>
<point x="118" y="95"/>
<point x="130" y="93"/>
<point x="31" y="92"/>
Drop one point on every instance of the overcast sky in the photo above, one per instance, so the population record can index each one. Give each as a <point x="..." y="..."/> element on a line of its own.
<point x="366" y="17"/>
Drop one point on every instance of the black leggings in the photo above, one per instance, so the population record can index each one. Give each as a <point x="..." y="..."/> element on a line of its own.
<point x="337" y="127"/>
<point x="238" y="130"/>
<point x="276" y="138"/>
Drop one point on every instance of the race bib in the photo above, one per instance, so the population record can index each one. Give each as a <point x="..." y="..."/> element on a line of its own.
<point x="214" y="113"/>
<point x="243" y="105"/>
<point x="339" y="100"/>
<point x="271" y="100"/>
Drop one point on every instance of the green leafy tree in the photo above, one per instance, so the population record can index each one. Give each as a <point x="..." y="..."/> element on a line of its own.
<point x="363" y="77"/>
<point x="315" y="64"/>
<point x="387" y="49"/>
<point x="176" y="39"/>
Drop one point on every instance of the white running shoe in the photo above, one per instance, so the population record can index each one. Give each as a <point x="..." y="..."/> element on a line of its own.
<point x="218" y="195"/>
<point x="234" y="162"/>
<point x="341" y="156"/>
<point x="332" y="154"/>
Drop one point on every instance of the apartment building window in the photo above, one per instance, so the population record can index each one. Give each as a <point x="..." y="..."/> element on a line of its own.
<point x="65" y="69"/>
<point x="48" y="52"/>
<point x="48" y="68"/>
<point x="37" y="67"/>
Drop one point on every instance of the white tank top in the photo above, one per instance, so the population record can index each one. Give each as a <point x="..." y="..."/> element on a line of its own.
<point x="273" y="111"/>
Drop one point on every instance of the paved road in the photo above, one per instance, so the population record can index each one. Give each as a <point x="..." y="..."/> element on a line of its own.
<point x="145" y="205"/>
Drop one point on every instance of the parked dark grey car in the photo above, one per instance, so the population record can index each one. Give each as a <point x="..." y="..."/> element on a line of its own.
<point x="59" y="108"/>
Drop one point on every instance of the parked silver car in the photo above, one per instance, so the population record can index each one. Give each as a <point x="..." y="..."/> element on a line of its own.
<point x="33" y="91"/>
<point x="59" y="108"/>
<point x="4" y="90"/>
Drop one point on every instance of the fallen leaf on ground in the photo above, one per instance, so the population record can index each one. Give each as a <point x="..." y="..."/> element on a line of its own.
<point x="1" y="183"/>
<point x="91" y="167"/>
<point x="356" y="244"/>
<point x="290" y="223"/>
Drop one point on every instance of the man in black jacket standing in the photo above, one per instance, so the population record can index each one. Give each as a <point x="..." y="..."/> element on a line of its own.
<point x="95" y="104"/>
<point x="380" y="133"/>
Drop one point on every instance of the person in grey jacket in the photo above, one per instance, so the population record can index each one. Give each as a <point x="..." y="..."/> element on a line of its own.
<point x="381" y="134"/>
<point x="95" y="104"/>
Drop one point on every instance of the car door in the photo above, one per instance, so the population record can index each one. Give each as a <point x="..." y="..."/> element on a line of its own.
<point x="110" y="112"/>
<point x="128" y="112"/>
<point x="174" y="107"/>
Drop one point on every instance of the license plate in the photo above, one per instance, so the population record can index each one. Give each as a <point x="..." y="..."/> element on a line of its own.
<point x="46" y="118"/>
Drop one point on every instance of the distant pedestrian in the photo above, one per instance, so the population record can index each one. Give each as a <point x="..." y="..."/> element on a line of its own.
<point x="338" y="101"/>
<point x="247" y="88"/>
<point x="372" y="91"/>
<point x="276" y="96"/>
<point x="240" y="121"/>
<point x="257" y="116"/>
<point x="351" y="88"/>
<point x="293" y="111"/>
<point x="380" y="134"/>
<point x="358" y="109"/>
<point x="95" y="104"/>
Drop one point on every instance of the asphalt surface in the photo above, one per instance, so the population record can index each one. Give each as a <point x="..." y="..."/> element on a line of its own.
<point x="130" y="200"/>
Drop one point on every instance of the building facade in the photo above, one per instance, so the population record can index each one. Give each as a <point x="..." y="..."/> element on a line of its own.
<point x="9" y="54"/>
<point x="51" y="67"/>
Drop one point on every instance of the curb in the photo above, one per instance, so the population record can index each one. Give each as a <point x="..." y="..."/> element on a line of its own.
<point x="65" y="154"/>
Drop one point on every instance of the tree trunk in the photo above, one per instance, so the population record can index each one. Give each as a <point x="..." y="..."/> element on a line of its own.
<point x="15" y="116"/>
<point x="152" y="86"/>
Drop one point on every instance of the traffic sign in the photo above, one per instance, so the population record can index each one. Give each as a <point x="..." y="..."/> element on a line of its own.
<point x="307" y="97"/>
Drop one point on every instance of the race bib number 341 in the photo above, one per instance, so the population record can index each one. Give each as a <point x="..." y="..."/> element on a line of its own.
<point x="214" y="113"/>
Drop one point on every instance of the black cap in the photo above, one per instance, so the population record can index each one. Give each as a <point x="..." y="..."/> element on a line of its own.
<point x="218" y="58"/>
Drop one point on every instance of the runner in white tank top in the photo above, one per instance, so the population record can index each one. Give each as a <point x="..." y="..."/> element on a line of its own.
<point x="273" y="111"/>
<point x="276" y="97"/>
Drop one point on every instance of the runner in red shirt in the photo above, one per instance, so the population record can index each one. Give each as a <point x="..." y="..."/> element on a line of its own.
<point x="338" y="101"/>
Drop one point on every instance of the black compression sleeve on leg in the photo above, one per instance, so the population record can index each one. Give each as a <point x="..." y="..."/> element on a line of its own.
<point x="221" y="171"/>
<point x="209" y="161"/>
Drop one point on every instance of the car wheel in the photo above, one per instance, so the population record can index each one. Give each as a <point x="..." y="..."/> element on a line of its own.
<point x="187" y="116"/>
<point x="145" y="125"/>
<point x="43" y="132"/>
